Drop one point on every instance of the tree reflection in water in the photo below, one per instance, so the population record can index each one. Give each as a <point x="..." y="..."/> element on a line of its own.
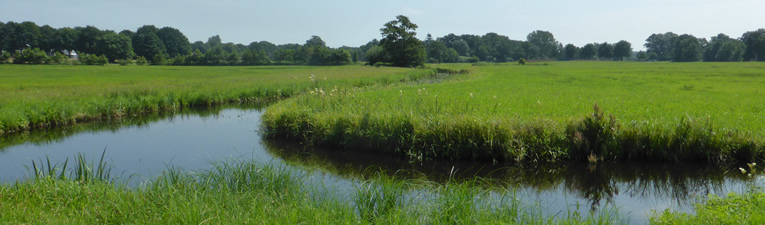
<point x="598" y="183"/>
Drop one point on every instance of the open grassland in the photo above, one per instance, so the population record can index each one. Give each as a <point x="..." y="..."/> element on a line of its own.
<point x="48" y="96"/>
<point x="245" y="192"/>
<point x="709" y="112"/>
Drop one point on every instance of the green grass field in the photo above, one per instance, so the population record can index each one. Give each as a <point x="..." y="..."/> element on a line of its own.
<point x="46" y="96"/>
<point x="669" y="111"/>
<point x="648" y="111"/>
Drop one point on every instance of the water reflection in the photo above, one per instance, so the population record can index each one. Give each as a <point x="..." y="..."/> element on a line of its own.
<point x="55" y="135"/>
<point x="599" y="184"/>
<point x="191" y="140"/>
<point x="142" y="147"/>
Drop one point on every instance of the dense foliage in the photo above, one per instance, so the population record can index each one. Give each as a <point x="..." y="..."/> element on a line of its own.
<point x="169" y="46"/>
<point x="400" y="44"/>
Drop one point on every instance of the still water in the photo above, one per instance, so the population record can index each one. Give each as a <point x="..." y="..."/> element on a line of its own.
<point x="141" y="148"/>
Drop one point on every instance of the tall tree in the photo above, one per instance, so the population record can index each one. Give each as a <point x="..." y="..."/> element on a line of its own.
<point x="755" y="45"/>
<point x="731" y="51"/>
<point x="199" y="45"/>
<point x="147" y="43"/>
<point x="588" y="51"/>
<point x="5" y="31"/>
<point x="605" y="50"/>
<point x="284" y="55"/>
<point x="461" y="46"/>
<point x="436" y="51"/>
<point x="687" y="49"/>
<point x="570" y="51"/>
<point x="622" y="49"/>
<point x="47" y="39"/>
<point x="86" y="39"/>
<point x="265" y="46"/>
<point x="214" y="41"/>
<point x="545" y="42"/>
<point x="661" y="45"/>
<point x="175" y="42"/>
<point x="17" y="36"/>
<point x="401" y="44"/>
<point x="114" y="46"/>
<point x="315" y="41"/>
<point x="66" y="39"/>
<point x="722" y="48"/>
<point x="375" y="55"/>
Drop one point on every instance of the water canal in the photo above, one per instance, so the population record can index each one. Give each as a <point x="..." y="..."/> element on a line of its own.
<point x="141" y="148"/>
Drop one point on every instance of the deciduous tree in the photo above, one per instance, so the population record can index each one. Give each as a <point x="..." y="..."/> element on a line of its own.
<point x="588" y="52"/>
<point x="687" y="49"/>
<point x="175" y="42"/>
<point x="661" y="45"/>
<point x="755" y="45"/>
<point x="400" y="43"/>
<point x="570" y="51"/>
<point x="545" y="42"/>
<point x="605" y="50"/>
<point x="622" y="49"/>
<point x="86" y="39"/>
<point x="114" y="46"/>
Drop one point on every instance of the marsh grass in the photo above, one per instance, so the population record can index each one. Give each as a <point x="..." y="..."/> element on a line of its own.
<point x="732" y="209"/>
<point x="81" y="171"/>
<point x="569" y="111"/>
<point x="37" y="97"/>
<point x="239" y="192"/>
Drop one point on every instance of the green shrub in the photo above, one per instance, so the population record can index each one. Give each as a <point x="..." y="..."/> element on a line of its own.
<point x="4" y="57"/>
<point x="141" y="61"/>
<point x="30" y="56"/>
<point x="159" y="59"/>
<point x="522" y="61"/>
<point x="57" y="58"/>
<point x="94" y="60"/>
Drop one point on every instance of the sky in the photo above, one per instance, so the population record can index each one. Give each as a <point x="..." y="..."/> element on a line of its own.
<point x="356" y="22"/>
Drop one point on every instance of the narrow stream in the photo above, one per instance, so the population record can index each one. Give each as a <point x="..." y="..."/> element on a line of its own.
<point x="142" y="148"/>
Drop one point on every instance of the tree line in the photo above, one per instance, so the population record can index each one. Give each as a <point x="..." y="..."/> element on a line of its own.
<point x="26" y="42"/>
<point x="721" y="48"/>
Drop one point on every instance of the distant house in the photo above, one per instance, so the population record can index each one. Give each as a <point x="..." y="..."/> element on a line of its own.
<point x="72" y="54"/>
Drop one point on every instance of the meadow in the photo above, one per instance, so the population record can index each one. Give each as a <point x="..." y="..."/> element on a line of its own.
<point x="555" y="111"/>
<point x="707" y="112"/>
<point x="43" y="96"/>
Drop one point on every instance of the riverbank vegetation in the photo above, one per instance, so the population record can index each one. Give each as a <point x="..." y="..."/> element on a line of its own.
<point x="246" y="192"/>
<point x="37" y="96"/>
<point x="703" y="112"/>
<point x="733" y="209"/>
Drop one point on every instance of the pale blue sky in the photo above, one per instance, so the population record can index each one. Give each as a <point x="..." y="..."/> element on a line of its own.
<point x="354" y="23"/>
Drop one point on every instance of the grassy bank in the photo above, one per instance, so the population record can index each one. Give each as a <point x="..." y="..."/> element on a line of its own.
<point x="707" y="112"/>
<point x="245" y="192"/>
<point x="732" y="209"/>
<point x="40" y="96"/>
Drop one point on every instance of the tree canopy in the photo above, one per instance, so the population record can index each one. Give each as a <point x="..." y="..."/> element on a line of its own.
<point x="399" y="46"/>
<point x="622" y="49"/>
<point x="400" y="43"/>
